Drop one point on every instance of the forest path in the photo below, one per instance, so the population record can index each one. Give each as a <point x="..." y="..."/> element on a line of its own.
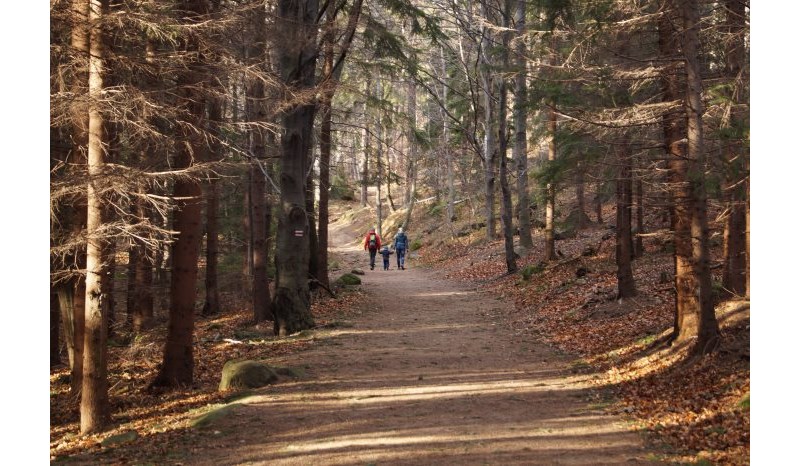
<point x="427" y="373"/>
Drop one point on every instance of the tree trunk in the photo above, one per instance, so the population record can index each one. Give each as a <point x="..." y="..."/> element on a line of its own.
<point x="451" y="191"/>
<point x="94" y="409"/>
<point x="680" y="197"/>
<point x="55" y="321"/>
<point x="211" y="305"/>
<point x="626" y="287"/>
<point x="297" y="51"/>
<point x="598" y="206"/>
<point x="140" y="278"/>
<point x="247" y="233"/>
<point x="325" y="157"/>
<point x="256" y="115"/>
<point x="550" y="192"/>
<point x="580" y="197"/>
<point x="77" y="211"/>
<point x="367" y="147"/>
<point x="694" y="324"/>
<point x="110" y="282"/>
<point x="490" y="128"/>
<point x="313" y="241"/>
<point x="735" y="272"/>
<point x="411" y="170"/>
<point x="506" y="212"/>
<point x="214" y="153"/>
<point x="638" y="246"/>
<point x="521" y="131"/>
<point x="259" y="284"/>
<point x="177" y="368"/>
<point x="708" y="331"/>
<point x="379" y="160"/>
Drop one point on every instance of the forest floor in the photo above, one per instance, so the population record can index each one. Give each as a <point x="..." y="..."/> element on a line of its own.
<point x="446" y="362"/>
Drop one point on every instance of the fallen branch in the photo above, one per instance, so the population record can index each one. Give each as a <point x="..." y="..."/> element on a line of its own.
<point x="315" y="281"/>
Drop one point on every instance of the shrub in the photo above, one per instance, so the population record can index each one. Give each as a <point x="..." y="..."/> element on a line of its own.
<point x="530" y="270"/>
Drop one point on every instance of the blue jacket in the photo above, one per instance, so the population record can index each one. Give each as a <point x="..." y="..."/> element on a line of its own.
<point x="385" y="252"/>
<point x="401" y="241"/>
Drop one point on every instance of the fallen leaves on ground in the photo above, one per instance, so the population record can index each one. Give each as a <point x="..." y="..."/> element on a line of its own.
<point x="160" y="419"/>
<point x="693" y="410"/>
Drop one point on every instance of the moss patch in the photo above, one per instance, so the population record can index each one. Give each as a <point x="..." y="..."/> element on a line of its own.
<point x="348" y="279"/>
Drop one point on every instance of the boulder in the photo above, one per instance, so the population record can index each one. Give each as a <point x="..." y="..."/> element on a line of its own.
<point x="212" y="416"/>
<point x="246" y="374"/>
<point x="348" y="279"/>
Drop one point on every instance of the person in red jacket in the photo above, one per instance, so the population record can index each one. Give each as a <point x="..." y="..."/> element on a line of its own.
<point x="372" y="242"/>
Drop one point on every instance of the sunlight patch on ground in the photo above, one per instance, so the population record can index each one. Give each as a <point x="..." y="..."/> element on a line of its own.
<point x="402" y="331"/>
<point x="421" y="393"/>
<point x="489" y="433"/>
<point x="446" y="293"/>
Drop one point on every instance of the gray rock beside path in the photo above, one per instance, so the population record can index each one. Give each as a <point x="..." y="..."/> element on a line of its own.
<point x="246" y="374"/>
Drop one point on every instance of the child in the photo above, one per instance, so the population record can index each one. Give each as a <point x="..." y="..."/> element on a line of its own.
<point x="385" y="252"/>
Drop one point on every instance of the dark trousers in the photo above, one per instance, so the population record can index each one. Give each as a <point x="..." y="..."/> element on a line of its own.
<point x="372" y="253"/>
<point x="401" y="257"/>
<point x="385" y="263"/>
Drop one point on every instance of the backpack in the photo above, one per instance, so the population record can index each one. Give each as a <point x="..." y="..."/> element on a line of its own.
<point x="373" y="241"/>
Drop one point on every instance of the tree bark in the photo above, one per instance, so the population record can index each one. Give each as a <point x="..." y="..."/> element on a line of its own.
<point x="490" y="128"/>
<point x="214" y="152"/>
<point x="256" y="115"/>
<point x="735" y="273"/>
<point x="140" y="278"/>
<point x="247" y="233"/>
<point x="521" y="130"/>
<point x="379" y="162"/>
<point x="638" y="245"/>
<point x="77" y="211"/>
<point x="506" y="213"/>
<point x="695" y="322"/>
<point x="55" y="321"/>
<point x="411" y="169"/>
<point x="297" y="51"/>
<point x="313" y="240"/>
<point x="94" y="408"/>
<point x="177" y="368"/>
<point x="708" y="331"/>
<point x="626" y="287"/>
<point x="325" y="154"/>
<point x="367" y="149"/>
<point x="580" y="197"/>
<point x="550" y="191"/>
<point x="451" y="191"/>
<point x="211" y="305"/>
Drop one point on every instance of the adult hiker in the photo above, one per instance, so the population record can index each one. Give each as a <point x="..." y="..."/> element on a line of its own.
<point x="400" y="247"/>
<point x="372" y="243"/>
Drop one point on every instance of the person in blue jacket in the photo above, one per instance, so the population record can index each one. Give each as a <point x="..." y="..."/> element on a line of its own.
<point x="400" y="247"/>
<point x="385" y="252"/>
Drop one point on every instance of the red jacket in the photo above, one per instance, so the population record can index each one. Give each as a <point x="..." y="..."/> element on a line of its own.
<point x="377" y="240"/>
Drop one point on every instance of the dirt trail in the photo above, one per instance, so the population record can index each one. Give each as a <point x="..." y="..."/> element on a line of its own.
<point x="428" y="374"/>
